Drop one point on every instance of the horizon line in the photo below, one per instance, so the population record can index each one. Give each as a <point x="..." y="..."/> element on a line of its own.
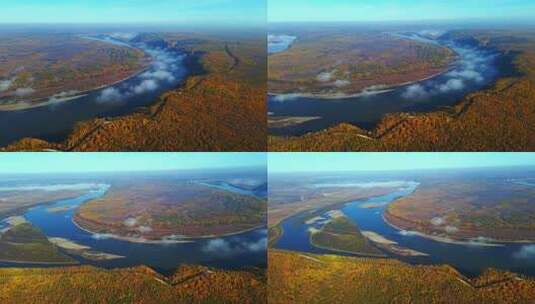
<point x="134" y="171"/>
<point x="133" y="22"/>
<point x="410" y="170"/>
<point x="475" y="19"/>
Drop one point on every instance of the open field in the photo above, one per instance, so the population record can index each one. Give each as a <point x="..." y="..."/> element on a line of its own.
<point x="307" y="278"/>
<point x="333" y="61"/>
<point x="189" y="284"/>
<point x="156" y="209"/>
<point x="37" y="66"/>
<point x="499" y="118"/>
<point x="221" y="107"/>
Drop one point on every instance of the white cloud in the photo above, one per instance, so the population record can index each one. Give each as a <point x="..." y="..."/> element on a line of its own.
<point x="21" y="92"/>
<point x="257" y="246"/>
<point x="286" y="97"/>
<point x="5" y="84"/>
<point x="342" y="83"/>
<point x="432" y="33"/>
<point x="408" y="233"/>
<point x="66" y="93"/>
<point x="102" y="236"/>
<point x="467" y="74"/>
<point x="125" y="36"/>
<point x="437" y="221"/>
<point x="472" y="68"/>
<point x="62" y="96"/>
<point x="110" y="95"/>
<point x="324" y="77"/>
<point x="130" y="222"/>
<point x="160" y="74"/>
<point x="451" y="85"/>
<point x="166" y="68"/>
<point x="480" y="240"/>
<point x="526" y="252"/>
<point x="451" y="229"/>
<point x="144" y="229"/>
<point x="217" y="245"/>
<point x="227" y="247"/>
<point x="146" y="86"/>
<point x="415" y="91"/>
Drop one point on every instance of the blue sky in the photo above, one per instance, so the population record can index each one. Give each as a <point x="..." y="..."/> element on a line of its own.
<point x="134" y="11"/>
<point x="304" y="162"/>
<point x="397" y="10"/>
<point x="121" y="162"/>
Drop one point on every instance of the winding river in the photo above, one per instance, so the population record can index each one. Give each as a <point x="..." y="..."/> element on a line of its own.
<point x="229" y="252"/>
<point x="469" y="259"/>
<point x="54" y="121"/>
<point x="474" y="69"/>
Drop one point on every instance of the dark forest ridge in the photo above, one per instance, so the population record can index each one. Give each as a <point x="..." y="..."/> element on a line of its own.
<point x="308" y="278"/>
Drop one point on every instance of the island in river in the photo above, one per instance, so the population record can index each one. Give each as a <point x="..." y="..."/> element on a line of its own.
<point x="342" y="235"/>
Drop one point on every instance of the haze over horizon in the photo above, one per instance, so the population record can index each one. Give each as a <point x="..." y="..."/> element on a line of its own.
<point x="353" y="162"/>
<point x="200" y="12"/>
<point x="33" y="163"/>
<point x="398" y="10"/>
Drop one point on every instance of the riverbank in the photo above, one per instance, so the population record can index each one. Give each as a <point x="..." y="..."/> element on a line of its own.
<point x="369" y="91"/>
<point x="448" y="240"/>
<point x="20" y="262"/>
<point x="274" y="234"/>
<point x="43" y="102"/>
<point x="468" y="242"/>
<point x="171" y="239"/>
<point x="391" y="246"/>
<point x="84" y="251"/>
<point x="354" y="253"/>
